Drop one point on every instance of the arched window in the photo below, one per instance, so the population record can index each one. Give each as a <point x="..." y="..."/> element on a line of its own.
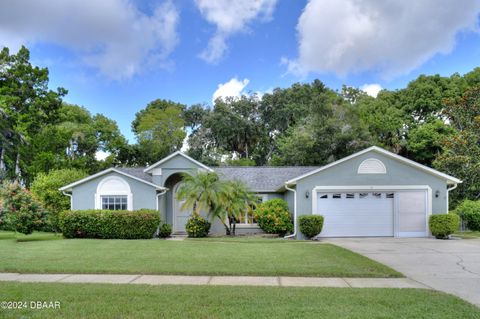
<point x="113" y="193"/>
<point x="372" y="166"/>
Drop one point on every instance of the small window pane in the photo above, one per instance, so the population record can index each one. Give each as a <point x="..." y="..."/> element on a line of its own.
<point x="377" y="195"/>
<point x="324" y="196"/>
<point x="390" y="195"/>
<point x="350" y="195"/>
<point x="363" y="195"/>
<point x="114" y="202"/>
<point x="337" y="196"/>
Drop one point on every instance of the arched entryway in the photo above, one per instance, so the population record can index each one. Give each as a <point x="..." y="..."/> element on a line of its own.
<point x="175" y="215"/>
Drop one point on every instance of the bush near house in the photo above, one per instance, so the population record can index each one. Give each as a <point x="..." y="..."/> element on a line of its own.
<point x="197" y="226"/>
<point x="443" y="225"/>
<point x="165" y="231"/>
<point x="108" y="224"/>
<point x="310" y="225"/>
<point x="273" y="217"/>
<point x="469" y="212"/>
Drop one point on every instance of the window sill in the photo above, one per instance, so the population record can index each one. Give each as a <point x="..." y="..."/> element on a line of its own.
<point x="247" y="226"/>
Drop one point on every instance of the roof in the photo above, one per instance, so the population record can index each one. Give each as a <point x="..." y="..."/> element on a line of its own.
<point x="263" y="178"/>
<point x="129" y="172"/>
<point x="177" y="153"/>
<point x="448" y="178"/>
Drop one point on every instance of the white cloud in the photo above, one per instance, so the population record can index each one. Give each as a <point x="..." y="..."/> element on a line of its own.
<point x="389" y="37"/>
<point x="232" y="88"/>
<point x="230" y="17"/>
<point x="371" y="89"/>
<point x="110" y="35"/>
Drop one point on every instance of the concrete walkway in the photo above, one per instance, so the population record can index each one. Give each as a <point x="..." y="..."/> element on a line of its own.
<point x="216" y="280"/>
<point x="451" y="266"/>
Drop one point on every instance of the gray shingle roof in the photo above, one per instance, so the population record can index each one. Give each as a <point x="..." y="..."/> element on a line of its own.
<point x="258" y="178"/>
<point x="263" y="178"/>
<point x="136" y="172"/>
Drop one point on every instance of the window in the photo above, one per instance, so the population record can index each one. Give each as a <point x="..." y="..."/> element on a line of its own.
<point x="350" y="195"/>
<point x="324" y="196"/>
<point x="247" y="218"/>
<point x="363" y="195"/>
<point x="337" y="196"/>
<point x="377" y="195"/>
<point x="390" y="195"/>
<point x="118" y="202"/>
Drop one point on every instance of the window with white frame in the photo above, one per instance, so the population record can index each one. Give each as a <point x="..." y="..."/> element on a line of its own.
<point x="117" y="202"/>
<point x="248" y="218"/>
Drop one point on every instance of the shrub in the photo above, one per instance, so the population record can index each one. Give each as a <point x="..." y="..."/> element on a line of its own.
<point x="469" y="212"/>
<point x="109" y="224"/>
<point x="273" y="217"/>
<point x="442" y="225"/>
<point x="20" y="210"/>
<point x="45" y="188"/>
<point x="310" y="225"/>
<point x="165" y="231"/>
<point x="197" y="226"/>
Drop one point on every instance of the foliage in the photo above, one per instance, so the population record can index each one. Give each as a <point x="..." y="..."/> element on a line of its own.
<point x="197" y="226"/>
<point x="443" y="225"/>
<point x="45" y="188"/>
<point x="469" y="211"/>
<point x="310" y="225"/>
<point x="165" y="231"/>
<point x="159" y="129"/>
<point x="21" y="211"/>
<point x="273" y="217"/>
<point x="108" y="224"/>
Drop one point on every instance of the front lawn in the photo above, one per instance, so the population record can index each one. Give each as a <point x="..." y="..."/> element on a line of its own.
<point x="467" y="234"/>
<point x="142" y="301"/>
<point x="259" y="257"/>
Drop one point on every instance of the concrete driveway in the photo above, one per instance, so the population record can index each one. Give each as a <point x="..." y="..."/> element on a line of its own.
<point x="452" y="266"/>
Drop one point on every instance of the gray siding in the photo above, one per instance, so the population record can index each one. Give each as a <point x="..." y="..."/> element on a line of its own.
<point x="345" y="174"/>
<point x="144" y="196"/>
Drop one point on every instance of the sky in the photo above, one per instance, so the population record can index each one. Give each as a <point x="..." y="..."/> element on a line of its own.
<point x="115" y="56"/>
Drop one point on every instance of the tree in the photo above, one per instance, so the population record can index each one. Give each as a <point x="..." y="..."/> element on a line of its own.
<point x="45" y="188"/>
<point x="461" y="152"/>
<point x="159" y="129"/>
<point x="27" y="103"/>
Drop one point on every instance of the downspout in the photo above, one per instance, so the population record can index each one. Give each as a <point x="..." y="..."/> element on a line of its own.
<point x="71" y="199"/>
<point x="158" y="208"/>
<point x="448" y="195"/>
<point x="294" y="211"/>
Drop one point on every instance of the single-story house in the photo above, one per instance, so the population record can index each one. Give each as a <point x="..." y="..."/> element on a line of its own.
<point x="371" y="193"/>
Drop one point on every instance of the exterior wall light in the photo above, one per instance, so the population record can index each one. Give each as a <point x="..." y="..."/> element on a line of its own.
<point x="307" y="194"/>
<point x="437" y="193"/>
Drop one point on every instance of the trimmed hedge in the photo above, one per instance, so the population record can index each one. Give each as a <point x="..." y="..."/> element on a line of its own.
<point x="469" y="212"/>
<point x="197" y="226"/>
<point x="109" y="224"/>
<point x="165" y="231"/>
<point x="442" y="225"/>
<point x="273" y="217"/>
<point x="310" y="225"/>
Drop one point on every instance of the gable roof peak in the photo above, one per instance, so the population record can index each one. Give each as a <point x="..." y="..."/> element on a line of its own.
<point x="177" y="153"/>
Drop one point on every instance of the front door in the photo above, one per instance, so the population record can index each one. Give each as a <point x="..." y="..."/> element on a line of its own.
<point x="180" y="216"/>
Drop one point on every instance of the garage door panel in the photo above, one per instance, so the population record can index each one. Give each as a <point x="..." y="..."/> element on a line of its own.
<point x="363" y="215"/>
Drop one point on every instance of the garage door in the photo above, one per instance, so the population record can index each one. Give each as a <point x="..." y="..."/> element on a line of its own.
<point x="356" y="213"/>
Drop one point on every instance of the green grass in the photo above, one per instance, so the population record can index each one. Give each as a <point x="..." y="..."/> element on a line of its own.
<point x="142" y="301"/>
<point x="467" y="234"/>
<point x="220" y="256"/>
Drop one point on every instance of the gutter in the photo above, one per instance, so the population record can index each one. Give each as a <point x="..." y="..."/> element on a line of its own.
<point x="71" y="199"/>
<point x="294" y="212"/>
<point x="160" y="194"/>
<point x="448" y="190"/>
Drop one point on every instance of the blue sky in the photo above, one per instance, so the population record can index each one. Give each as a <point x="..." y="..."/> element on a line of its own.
<point x="116" y="56"/>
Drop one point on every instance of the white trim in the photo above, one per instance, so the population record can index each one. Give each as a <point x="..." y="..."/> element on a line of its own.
<point x="364" y="170"/>
<point x="127" y="192"/>
<point x="71" y="199"/>
<point x="377" y="149"/>
<point x="448" y="196"/>
<point x="356" y="188"/>
<point x="294" y="211"/>
<point x="148" y="169"/>
<point x="109" y="170"/>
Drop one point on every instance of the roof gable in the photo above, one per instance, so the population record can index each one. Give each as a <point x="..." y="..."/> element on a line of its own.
<point x="128" y="172"/>
<point x="172" y="157"/>
<point x="448" y="178"/>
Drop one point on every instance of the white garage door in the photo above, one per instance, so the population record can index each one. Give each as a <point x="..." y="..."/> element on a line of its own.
<point x="356" y="214"/>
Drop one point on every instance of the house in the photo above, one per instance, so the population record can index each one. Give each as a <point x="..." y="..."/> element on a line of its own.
<point x="371" y="193"/>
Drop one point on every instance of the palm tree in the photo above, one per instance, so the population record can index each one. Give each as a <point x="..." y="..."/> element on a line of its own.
<point x="225" y="200"/>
